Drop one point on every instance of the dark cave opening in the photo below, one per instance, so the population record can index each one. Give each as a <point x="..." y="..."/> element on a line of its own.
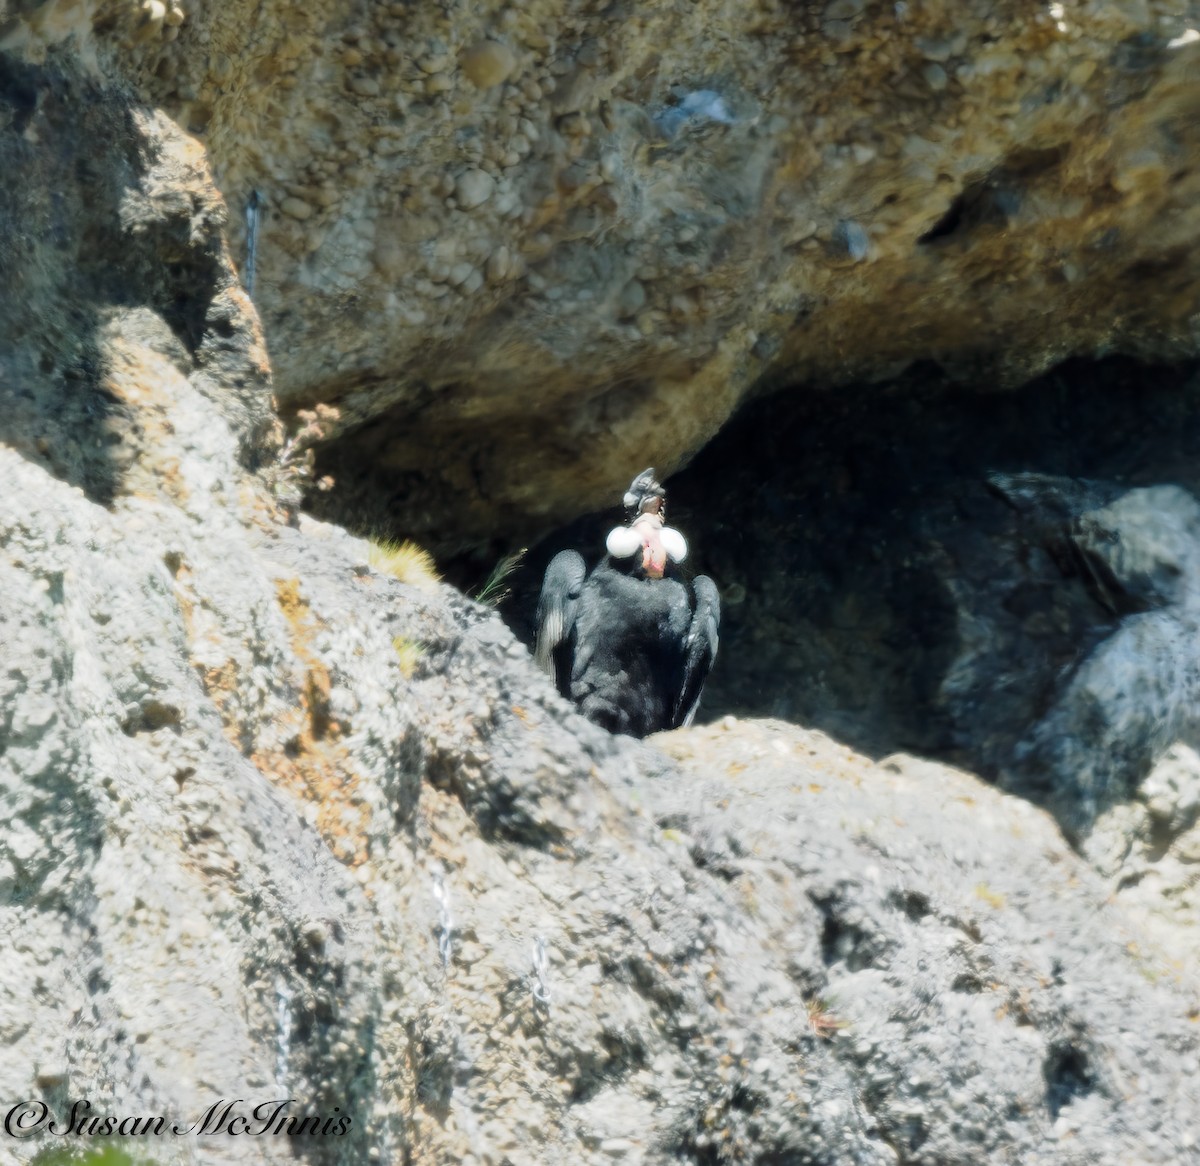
<point x="903" y="565"/>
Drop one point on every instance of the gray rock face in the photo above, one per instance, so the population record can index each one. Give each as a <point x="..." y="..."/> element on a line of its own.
<point x="232" y="806"/>
<point x="989" y="1015"/>
<point x="1137" y="692"/>
<point x="114" y="233"/>
<point x="1147" y="849"/>
<point x="347" y="879"/>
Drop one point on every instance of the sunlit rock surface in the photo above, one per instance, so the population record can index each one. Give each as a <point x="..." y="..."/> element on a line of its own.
<point x="528" y="248"/>
<point x="486" y="930"/>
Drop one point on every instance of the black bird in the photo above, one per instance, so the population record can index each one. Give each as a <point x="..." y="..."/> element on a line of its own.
<point x="632" y="643"/>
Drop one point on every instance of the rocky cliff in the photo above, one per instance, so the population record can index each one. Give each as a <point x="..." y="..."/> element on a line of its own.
<point x="282" y="825"/>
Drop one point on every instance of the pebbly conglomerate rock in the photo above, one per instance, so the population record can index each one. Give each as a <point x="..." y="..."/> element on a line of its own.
<point x="529" y="248"/>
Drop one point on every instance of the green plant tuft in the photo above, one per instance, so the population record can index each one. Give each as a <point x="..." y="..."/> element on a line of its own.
<point x="495" y="589"/>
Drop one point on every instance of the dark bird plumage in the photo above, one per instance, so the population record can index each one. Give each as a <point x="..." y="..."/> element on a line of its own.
<point x="632" y="643"/>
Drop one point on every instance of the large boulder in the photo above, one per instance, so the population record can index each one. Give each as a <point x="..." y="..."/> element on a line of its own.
<point x="526" y="249"/>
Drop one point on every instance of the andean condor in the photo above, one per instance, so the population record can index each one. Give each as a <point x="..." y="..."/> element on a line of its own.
<point x="632" y="643"/>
